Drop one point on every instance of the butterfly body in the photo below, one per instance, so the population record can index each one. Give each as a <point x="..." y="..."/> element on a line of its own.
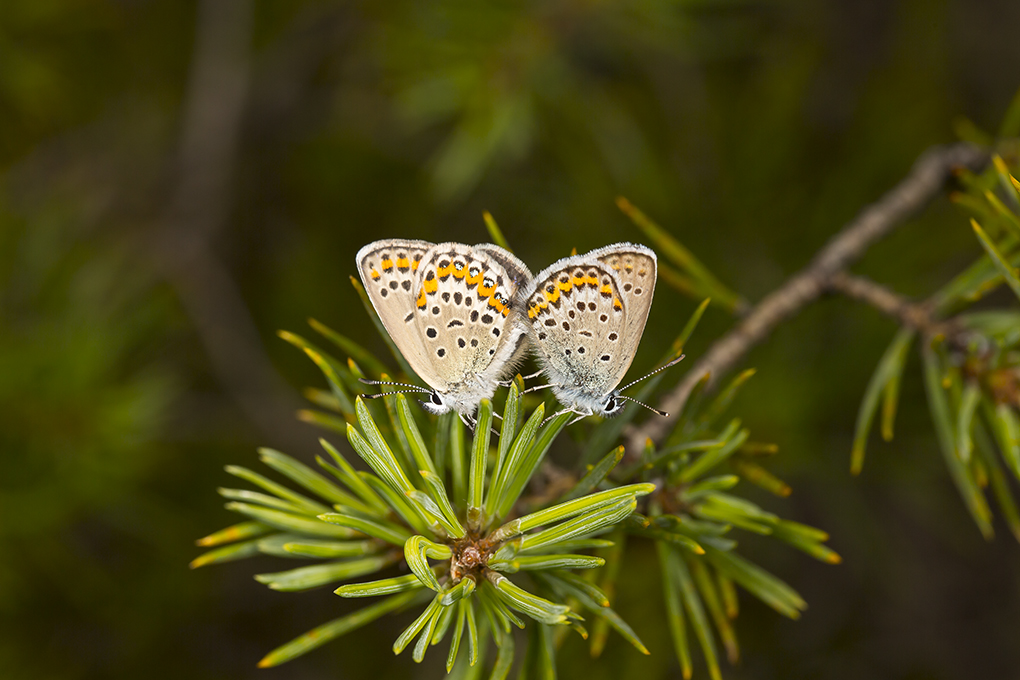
<point x="450" y="310"/>
<point x="585" y="316"/>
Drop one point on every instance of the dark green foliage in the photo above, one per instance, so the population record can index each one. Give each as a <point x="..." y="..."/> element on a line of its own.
<point x="971" y="362"/>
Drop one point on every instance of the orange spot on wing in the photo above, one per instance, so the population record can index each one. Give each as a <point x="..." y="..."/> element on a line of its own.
<point x="386" y="264"/>
<point x="375" y="275"/>
<point x="617" y="304"/>
<point x="430" y="287"/>
<point x="403" y="263"/>
<point x="421" y="299"/>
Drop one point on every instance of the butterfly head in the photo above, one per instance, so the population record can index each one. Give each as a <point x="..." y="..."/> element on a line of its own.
<point x="437" y="403"/>
<point x="464" y="402"/>
<point x="611" y="405"/>
<point x="607" y="407"/>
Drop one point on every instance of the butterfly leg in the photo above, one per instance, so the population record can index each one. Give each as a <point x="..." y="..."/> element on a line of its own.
<point x="580" y="415"/>
<point x="473" y="423"/>
<point x="508" y="383"/>
<point x="561" y="412"/>
<point x="579" y="418"/>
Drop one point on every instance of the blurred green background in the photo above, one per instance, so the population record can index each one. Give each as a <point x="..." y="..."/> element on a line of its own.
<point x="178" y="180"/>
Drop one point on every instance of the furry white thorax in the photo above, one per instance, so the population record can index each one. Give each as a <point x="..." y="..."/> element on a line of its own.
<point x="582" y="402"/>
<point x="482" y="385"/>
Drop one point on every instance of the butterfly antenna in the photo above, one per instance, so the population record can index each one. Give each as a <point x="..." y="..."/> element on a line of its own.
<point x="386" y="394"/>
<point x="408" y="386"/>
<point x="416" y="388"/>
<point x="641" y="403"/>
<point x="675" y="361"/>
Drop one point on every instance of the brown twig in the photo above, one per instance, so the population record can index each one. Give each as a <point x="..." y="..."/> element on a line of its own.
<point x="926" y="179"/>
<point x="916" y="315"/>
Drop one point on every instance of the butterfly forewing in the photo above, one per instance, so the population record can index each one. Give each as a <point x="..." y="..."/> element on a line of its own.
<point x="389" y="272"/>
<point x="635" y="267"/>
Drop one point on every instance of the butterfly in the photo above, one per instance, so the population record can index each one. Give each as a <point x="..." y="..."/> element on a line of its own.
<point x="585" y="317"/>
<point x="450" y="310"/>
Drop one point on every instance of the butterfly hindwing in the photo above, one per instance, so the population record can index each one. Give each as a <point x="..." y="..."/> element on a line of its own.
<point x="577" y="323"/>
<point x="520" y="275"/>
<point x="464" y="314"/>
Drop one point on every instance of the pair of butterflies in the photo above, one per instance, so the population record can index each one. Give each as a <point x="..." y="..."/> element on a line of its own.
<point x="460" y="314"/>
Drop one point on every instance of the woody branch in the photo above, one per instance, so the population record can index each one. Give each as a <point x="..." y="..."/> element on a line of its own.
<point x="926" y="179"/>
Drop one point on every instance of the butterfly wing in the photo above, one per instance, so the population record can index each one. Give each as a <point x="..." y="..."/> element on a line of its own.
<point x="389" y="272"/>
<point x="635" y="267"/>
<point x="520" y="278"/>
<point x="518" y="272"/>
<point x="464" y="316"/>
<point x="577" y="322"/>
